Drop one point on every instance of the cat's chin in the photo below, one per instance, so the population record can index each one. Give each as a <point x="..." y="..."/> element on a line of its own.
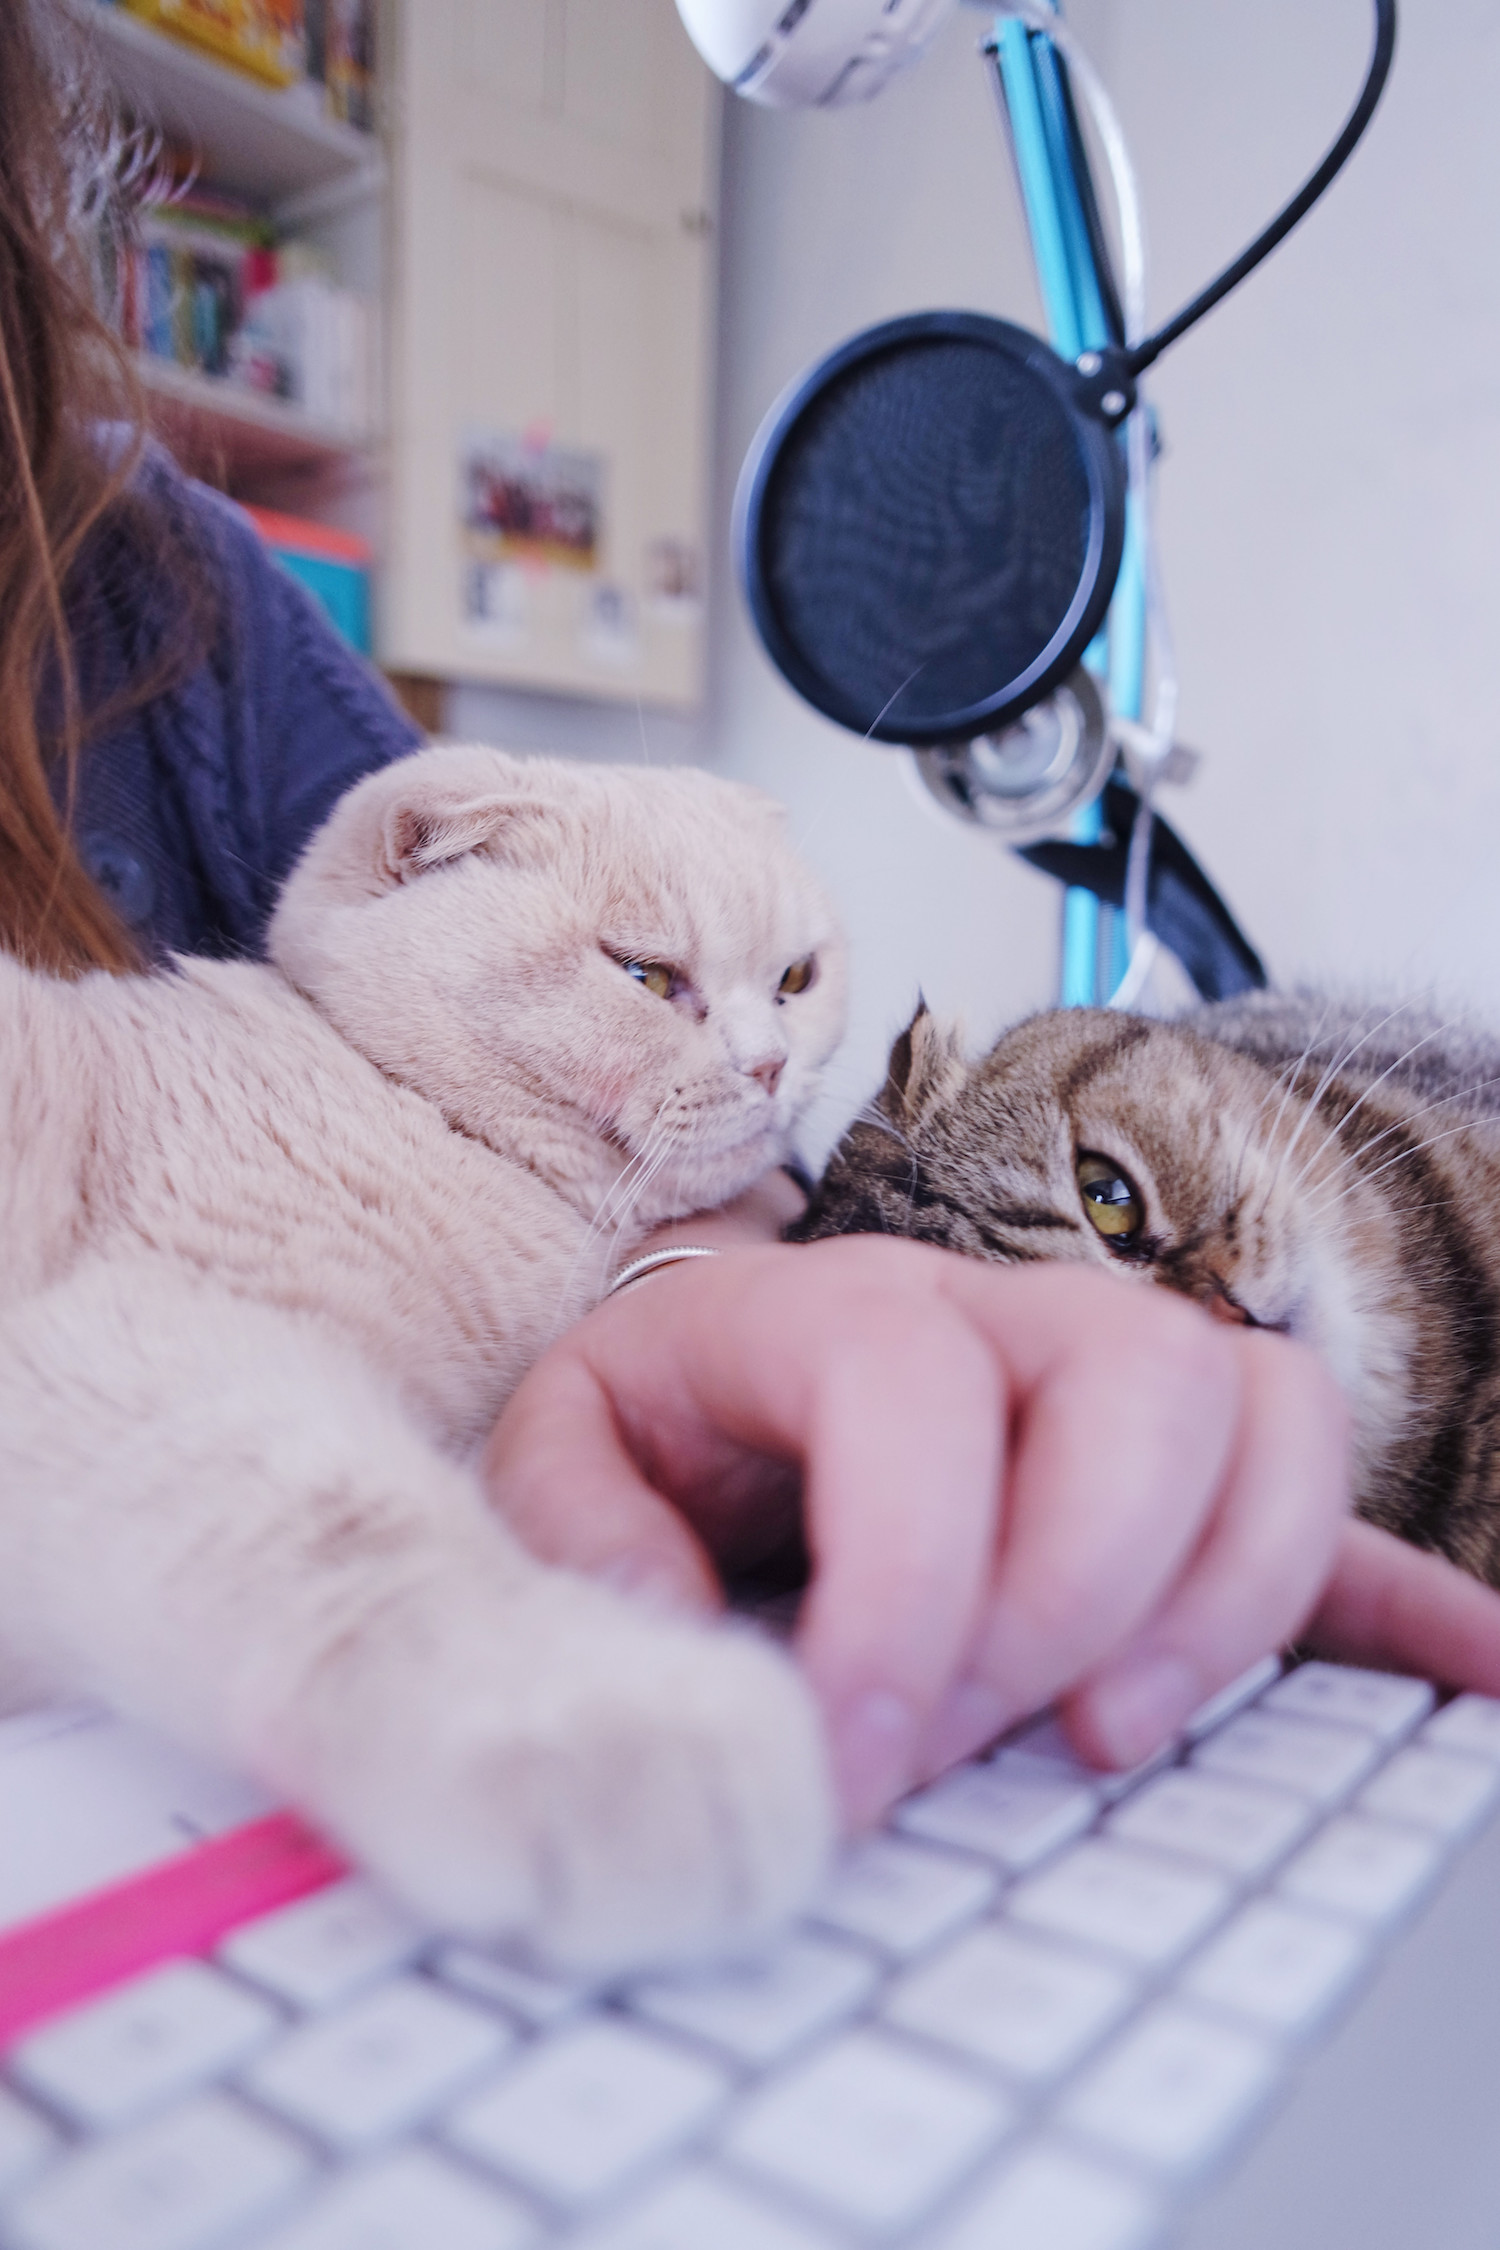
<point x="716" y="1177"/>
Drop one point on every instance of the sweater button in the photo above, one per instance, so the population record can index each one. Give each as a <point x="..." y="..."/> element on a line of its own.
<point x="125" y="880"/>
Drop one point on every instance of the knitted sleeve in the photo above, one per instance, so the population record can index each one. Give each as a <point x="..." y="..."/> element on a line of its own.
<point x="269" y="732"/>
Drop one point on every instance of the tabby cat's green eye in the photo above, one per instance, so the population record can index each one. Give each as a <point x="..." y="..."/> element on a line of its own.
<point x="656" y="976"/>
<point x="1109" y="1199"/>
<point x="797" y="979"/>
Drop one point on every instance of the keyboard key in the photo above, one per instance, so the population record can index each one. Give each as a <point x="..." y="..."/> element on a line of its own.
<point x="1055" y="2199"/>
<point x="1308" y="1756"/>
<point x="412" y="2201"/>
<point x="1016" y="1818"/>
<point x="760" y="2011"/>
<point x="380" y="2066"/>
<point x="322" y="1950"/>
<point x="1250" y="1684"/>
<point x="1008" y="1999"/>
<point x="180" y="2183"/>
<point x="1173" y="2091"/>
<point x="26" y="2142"/>
<point x="1236" y="1825"/>
<point x="146" y="2043"/>
<point x="1384" y="1703"/>
<point x="869" y="2131"/>
<point x="1469" y="1722"/>
<point x="577" y="2118"/>
<point x="1364" y="1868"/>
<point x="902" y="1898"/>
<point x="1278" y="1966"/>
<point x="1044" y="1749"/>
<point x="1124" y="1900"/>
<point x="698" y="2211"/>
<point x="538" y="2000"/>
<point x="1436" y="1789"/>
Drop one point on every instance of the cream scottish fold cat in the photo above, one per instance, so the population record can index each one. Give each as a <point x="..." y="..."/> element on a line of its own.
<point x="277" y="1244"/>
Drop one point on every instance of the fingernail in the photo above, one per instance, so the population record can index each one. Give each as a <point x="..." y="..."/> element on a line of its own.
<point x="1140" y="1703"/>
<point x="874" y="1750"/>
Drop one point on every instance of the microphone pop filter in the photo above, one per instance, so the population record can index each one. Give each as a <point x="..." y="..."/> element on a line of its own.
<point x="929" y="527"/>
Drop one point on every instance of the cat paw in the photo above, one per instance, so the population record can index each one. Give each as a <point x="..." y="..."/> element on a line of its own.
<point x="607" y="1787"/>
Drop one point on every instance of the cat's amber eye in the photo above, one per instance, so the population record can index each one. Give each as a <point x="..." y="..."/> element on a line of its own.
<point x="797" y="979"/>
<point x="656" y="976"/>
<point x="1109" y="1199"/>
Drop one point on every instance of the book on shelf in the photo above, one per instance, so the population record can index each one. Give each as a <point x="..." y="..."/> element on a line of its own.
<point x="326" y="44"/>
<point x="208" y="287"/>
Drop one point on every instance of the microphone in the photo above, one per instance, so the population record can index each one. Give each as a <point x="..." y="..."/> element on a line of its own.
<point x="810" y="54"/>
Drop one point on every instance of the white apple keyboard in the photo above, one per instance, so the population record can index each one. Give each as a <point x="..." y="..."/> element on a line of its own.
<point x="1042" y="2011"/>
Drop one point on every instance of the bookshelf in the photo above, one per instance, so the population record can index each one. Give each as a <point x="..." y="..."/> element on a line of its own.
<point x="255" y="139"/>
<point x="311" y="173"/>
<point x="237" y="437"/>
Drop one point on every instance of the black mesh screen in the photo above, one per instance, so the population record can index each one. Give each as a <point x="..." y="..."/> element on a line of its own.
<point x="925" y="529"/>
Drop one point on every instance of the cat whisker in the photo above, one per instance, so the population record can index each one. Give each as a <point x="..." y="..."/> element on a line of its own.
<point x="1352" y="1156"/>
<point x="1390" y="1068"/>
<point x="1290" y="1071"/>
<point x="890" y="699"/>
<point x="1289" y="1087"/>
<point x="1340" y="1062"/>
<point x="618" y="1198"/>
<point x="1402" y="1156"/>
<point x="870" y="1114"/>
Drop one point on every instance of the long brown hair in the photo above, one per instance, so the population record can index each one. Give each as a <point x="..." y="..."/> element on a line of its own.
<point x="65" y="381"/>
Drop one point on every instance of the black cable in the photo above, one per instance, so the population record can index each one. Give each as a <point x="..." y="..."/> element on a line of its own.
<point x="1302" y="202"/>
<point x="1183" y="908"/>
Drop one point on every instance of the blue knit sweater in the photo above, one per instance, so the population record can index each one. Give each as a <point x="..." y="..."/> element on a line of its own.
<point x="190" y="813"/>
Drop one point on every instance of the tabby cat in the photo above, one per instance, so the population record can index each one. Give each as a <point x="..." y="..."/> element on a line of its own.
<point x="1292" y="1163"/>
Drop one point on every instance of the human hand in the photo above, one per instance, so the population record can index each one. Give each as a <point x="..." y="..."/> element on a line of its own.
<point x="1018" y="1487"/>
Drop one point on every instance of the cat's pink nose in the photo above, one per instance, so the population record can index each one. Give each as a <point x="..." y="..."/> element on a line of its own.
<point x="769" y="1073"/>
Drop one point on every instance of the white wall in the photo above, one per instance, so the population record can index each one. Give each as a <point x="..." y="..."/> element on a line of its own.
<point x="1329" y="502"/>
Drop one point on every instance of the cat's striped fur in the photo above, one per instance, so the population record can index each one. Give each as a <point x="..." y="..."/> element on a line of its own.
<point x="1300" y="1164"/>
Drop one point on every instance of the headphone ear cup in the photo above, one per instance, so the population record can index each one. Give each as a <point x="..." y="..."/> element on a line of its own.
<point x="929" y="528"/>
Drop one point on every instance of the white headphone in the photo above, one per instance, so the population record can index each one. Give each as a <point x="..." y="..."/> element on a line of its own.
<point x="810" y="54"/>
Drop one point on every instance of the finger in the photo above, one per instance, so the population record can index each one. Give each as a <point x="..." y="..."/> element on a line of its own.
<point x="556" y="1468"/>
<point x="845" y="1358"/>
<point x="1120" y="1463"/>
<point x="905" y="1444"/>
<point x="1267" y="1552"/>
<point x="1391" y="1605"/>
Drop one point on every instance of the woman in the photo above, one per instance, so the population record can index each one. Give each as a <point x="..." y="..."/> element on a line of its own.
<point x="175" y="720"/>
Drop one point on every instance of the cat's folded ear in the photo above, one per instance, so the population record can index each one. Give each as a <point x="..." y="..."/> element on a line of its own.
<point x="427" y="830"/>
<point x="926" y="1068"/>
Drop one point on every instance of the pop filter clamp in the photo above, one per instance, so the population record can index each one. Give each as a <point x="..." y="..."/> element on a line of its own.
<point x="931" y="525"/>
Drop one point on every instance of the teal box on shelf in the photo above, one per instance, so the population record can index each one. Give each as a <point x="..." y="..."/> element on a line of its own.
<point x="333" y="565"/>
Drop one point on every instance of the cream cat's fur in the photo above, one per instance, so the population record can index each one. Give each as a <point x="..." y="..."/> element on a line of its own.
<point x="277" y="1244"/>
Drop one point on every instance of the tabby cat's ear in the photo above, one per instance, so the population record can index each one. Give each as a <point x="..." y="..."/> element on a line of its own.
<point x="926" y="1067"/>
<point x="420" y="834"/>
